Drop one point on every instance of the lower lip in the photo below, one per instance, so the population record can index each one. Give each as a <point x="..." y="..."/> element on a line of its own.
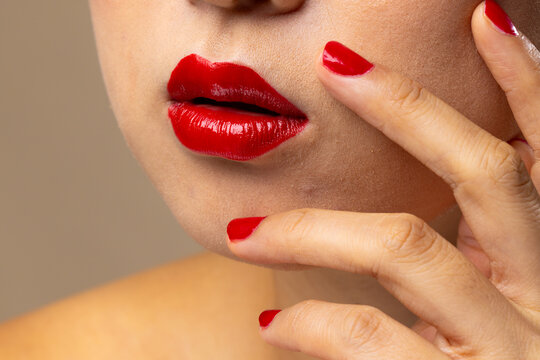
<point x="229" y="133"/>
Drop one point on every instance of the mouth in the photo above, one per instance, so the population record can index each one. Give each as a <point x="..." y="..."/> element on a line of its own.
<point x="228" y="110"/>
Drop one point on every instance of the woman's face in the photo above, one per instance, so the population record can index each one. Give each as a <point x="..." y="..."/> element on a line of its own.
<point x="339" y="161"/>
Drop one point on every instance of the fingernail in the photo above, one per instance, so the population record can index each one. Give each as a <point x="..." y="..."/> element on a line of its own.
<point x="343" y="61"/>
<point x="499" y="18"/>
<point x="240" y="229"/>
<point x="266" y="317"/>
<point x="518" y="139"/>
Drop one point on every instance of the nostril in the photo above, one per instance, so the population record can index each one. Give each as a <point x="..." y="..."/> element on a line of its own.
<point x="270" y="6"/>
<point x="227" y="4"/>
<point x="284" y="6"/>
<point x="232" y="4"/>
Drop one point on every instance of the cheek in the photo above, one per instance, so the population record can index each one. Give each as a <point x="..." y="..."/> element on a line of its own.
<point x="431" y="42"/>
<point x="130" y="46"/>
<point x="350" y="166"/>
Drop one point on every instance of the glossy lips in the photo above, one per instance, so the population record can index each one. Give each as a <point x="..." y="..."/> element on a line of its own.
<point x="241" y="117"/>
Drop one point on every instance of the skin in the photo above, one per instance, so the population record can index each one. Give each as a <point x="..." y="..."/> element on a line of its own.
<point x="491" y="285"/>
<point x="389" y="170"/>
<point x="351" y="165"/>
<point x="344" y="173"/>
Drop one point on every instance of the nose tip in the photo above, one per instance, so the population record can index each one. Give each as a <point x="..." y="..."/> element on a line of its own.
<point x="230" y="4"/>
<point x="286" y="5"/>
<point x="278" y="6"/>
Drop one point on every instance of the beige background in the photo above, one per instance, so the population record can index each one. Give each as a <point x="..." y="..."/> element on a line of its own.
<point x="75" y="208"/>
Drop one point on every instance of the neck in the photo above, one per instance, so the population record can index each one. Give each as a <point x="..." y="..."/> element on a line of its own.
<point x="347" y="288"/>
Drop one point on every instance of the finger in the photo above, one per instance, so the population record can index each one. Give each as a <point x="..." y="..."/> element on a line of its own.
<point x="527" y="155"/>
<point x="414" y="263"/>
<point x="425" y="330"/>
<point x="515" y="63"/>
<point x="490" y="181"/>
<point x="337" y="331"/>
<point x="471" y="249"/>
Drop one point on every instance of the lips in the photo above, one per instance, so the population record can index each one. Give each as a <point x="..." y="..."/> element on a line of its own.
<point x="228" y="110"/>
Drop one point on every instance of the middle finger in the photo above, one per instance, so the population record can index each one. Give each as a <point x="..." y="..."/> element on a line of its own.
<point x="410" y="259"/>
<point x="490" y="182"/>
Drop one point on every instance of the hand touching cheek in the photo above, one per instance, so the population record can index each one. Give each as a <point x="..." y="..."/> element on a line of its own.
<point x="482" y="302"/>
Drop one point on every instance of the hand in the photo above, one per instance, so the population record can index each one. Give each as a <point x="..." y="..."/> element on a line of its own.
<point x="479" y="303"/>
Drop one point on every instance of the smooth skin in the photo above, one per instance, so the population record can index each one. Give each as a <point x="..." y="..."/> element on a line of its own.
<point x="480" y="300"/>
<point x="206" y="307"/>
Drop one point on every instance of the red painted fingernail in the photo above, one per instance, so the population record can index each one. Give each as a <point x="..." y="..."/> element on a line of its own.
<point x="499" y="18"/>
<point x="266" y="317"/>
<point x="340" y="59"/>
<point x="518" y="139"/>
<point x="240" y="229"/>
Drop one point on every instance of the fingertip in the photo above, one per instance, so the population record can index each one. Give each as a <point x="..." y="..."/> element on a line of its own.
<point x="478" y="21"/>
<point x="347" y="74"/>
<point x="499" y="19"/>
<point x="320" y="69"/>
<point x="480" y="25"/>
<point x="340" y="61"/>
<point x="508" y="56"/>
<point x="266" y="317"/>
<point x="490" y="23"/>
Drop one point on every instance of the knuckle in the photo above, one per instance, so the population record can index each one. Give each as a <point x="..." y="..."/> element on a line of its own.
<point x="294" y="220"/>
<point x="407" y="94"/>
<point x="297" y="223"/>
<point x="362" y="326"/>
<point x="408" y="237"/>
<point x="296" y="228"/>
<point x="502" y="164"/>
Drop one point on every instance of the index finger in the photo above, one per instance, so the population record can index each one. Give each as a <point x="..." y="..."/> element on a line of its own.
<point x="410" y="115"/>
<point x="490" y="181"/>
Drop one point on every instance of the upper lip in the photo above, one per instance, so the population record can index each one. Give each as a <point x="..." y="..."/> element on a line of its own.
<point x="195" y="77"/>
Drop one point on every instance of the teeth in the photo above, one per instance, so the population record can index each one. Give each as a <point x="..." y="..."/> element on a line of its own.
<point x="235" y="105"/>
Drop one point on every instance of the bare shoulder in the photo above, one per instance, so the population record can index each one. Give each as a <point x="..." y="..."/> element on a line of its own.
<point x="193" y="308"/>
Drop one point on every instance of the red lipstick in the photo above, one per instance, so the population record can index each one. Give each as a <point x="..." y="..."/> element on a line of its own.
<point x="228" y="110"/>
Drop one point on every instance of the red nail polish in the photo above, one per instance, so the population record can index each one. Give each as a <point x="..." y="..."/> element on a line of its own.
<point x="343" y="61"/>
<point x="240" y="229"/>
<point x="267" y="316"/>
<point x="518" y="139"/>
<point x="499" y="18"/>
